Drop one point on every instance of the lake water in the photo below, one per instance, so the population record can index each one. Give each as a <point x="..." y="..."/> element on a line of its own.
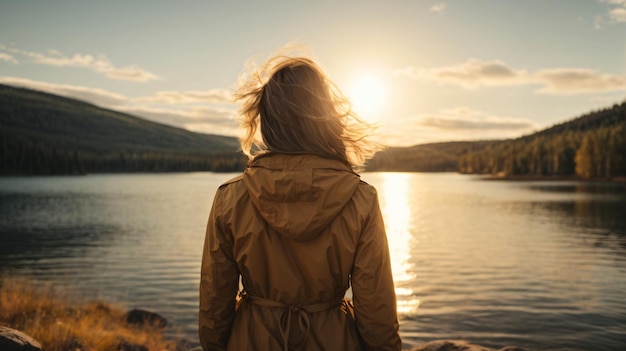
<point x="534" y="264"/>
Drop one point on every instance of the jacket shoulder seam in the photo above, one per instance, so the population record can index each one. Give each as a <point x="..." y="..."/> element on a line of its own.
<point x="232" y="180"/>
<point x="371" y="194"/>
<point x="365" y="185"/>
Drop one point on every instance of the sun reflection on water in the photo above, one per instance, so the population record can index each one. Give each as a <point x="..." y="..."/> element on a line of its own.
<point x="397" y="215"/>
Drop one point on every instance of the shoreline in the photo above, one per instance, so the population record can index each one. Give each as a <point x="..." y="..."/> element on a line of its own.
<point x="551" y="178"/>
<point x="57" y="319"/>
<point x="42" y="317"/>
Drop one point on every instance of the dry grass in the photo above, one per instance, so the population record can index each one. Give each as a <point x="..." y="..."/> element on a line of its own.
<point x="61" y="322"/>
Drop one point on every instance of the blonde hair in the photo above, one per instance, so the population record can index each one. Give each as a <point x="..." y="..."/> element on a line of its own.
<point x="299" y="110"/>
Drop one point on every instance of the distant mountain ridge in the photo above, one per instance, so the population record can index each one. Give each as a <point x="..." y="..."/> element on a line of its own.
<point x="44" y="133"/>
<point x="590" y="146"/>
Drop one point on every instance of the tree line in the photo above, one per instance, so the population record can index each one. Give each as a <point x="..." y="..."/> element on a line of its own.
<point x="592" y="146"/>
<point x="42" y="133"/>
<point x="22" y="156"/>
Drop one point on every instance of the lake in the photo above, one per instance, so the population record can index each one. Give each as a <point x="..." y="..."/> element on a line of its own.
<point x="533" y="264"/>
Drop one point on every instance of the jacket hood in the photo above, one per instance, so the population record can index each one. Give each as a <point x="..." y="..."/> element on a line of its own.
<point x="299" y="195"/>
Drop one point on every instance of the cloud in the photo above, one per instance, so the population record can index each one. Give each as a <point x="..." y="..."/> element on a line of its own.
<point x="57" y="59"/>
<point x="208" y="114"/>
<point x="615" y="14"/>
<point x="95" y="96"/>
<point x="467" y="119"/>
<point x="471" y="74"/>
<point x="201" y="119"/>
<point x="438" y="7"/>
<point x="461" y="123"/>
<point x="475" y="73"/>
<point x="474" y="124"/>
<point x="578" y="81"/>
<point x="100" y="64"/>
<point x="618" y="14"/>
<point x="8" y="58"/>
<point x="132" y="73"/>
<point x="215" y="96"/>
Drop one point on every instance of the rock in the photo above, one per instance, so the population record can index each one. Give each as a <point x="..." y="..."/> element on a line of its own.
<point x="458" y="345"/>
<point x="124" y="346"/>
<point x="143" y="317"/>
<point x="186" y="345"/>
<point x="15" y="340"/>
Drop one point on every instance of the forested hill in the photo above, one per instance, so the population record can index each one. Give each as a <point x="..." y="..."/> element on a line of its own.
<point x="590" y="146"/>
<point x="43" y="133"/>
<point x="434" y="157"/>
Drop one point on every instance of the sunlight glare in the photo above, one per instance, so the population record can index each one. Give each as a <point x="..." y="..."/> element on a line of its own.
<point x="396" y="211"/>
<point x="367" y="96"/>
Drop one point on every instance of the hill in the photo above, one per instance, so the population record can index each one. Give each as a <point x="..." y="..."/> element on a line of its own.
<point x="590" y="146"/>
<point x="43" y="133"/>
<point x="433" y="157"/>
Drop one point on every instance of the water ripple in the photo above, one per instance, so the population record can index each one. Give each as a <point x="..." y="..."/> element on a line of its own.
<point x="540" y="265"/>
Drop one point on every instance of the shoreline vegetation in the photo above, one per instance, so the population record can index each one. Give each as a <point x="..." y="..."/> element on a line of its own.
<point x="59" y="320"/>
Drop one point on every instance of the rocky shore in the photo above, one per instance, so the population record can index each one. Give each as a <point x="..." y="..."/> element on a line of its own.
<point x="15" y="340"/>
<point x="459" y="345"/>
<point x="36" y="317"/>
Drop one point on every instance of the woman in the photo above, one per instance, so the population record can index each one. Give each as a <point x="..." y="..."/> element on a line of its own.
<point x="299" y="226"/>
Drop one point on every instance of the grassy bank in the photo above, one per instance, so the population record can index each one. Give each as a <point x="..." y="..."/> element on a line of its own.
<point x="60" y="321"/>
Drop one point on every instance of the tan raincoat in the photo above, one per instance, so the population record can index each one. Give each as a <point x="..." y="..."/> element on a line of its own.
<point x="299" y="229"/>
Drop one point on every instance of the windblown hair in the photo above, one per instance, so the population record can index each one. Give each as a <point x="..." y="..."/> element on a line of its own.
<point x="299" y="110"/>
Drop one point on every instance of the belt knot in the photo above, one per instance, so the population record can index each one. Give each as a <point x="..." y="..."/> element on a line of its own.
<point x="300" y="311"/>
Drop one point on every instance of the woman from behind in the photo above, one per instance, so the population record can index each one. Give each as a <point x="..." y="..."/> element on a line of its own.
<point x="298" y="226"/>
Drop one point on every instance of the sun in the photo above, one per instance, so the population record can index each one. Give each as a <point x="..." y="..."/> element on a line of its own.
<point x="367" y="95"/>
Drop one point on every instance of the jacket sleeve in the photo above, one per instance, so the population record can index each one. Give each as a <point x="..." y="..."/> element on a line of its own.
<point x="372" y="286"/>
<point x="219" y="281"/>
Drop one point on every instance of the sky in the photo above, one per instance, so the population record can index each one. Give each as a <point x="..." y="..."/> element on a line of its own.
<point x="424" y="71"/>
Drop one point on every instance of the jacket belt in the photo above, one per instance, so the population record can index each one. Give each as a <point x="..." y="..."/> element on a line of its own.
<point x="300" y="311"/>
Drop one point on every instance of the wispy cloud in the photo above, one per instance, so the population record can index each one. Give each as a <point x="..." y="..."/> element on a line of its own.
<point x="466" y="119"/>
<point x="565" y="81"/>
<point x="460" y="123"/>
<point x="200" y="119"/>
<point x="438" y="7"/>
<point x="475" y="73"/>
<point x="95" y="96"/>
<point x="180" y="117"/>
<point x="471" y="74"/>
<point x="8" y="58"/>
<point x="100" y="64"/>
<point x="615" y="14"/>
<point x="618" y="14"/>
<point x="215" y="96"/>
<point x="206" y="111"/>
